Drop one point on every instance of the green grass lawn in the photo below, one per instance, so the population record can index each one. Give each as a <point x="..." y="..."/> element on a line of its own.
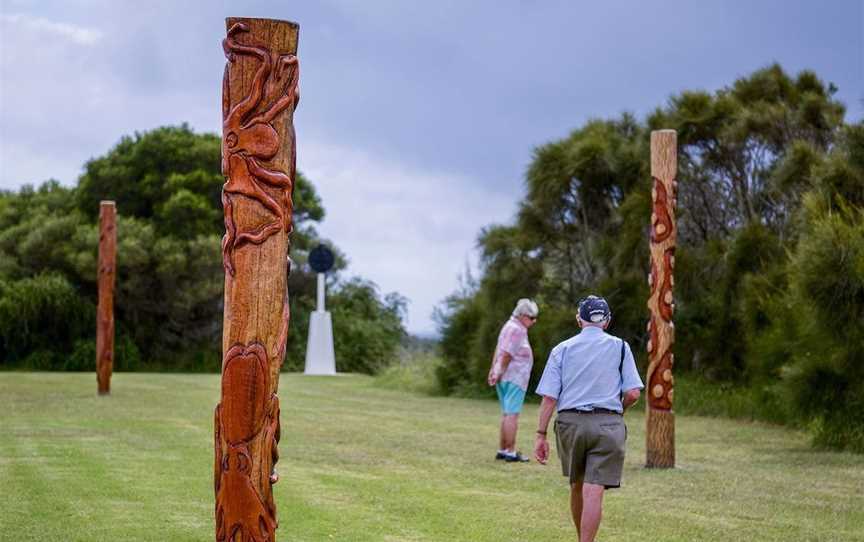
<point x="362" y="463"/>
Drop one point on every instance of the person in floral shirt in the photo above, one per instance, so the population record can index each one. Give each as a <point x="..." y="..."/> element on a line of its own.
<point x="509" y="373"/>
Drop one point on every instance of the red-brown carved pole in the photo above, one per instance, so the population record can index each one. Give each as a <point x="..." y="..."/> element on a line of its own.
<point x="660" y="420"/>
<point x="259" y="95"/>
<point x="105" y="310"/>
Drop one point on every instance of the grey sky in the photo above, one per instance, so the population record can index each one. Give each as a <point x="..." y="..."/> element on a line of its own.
<point x="418" y="119"/>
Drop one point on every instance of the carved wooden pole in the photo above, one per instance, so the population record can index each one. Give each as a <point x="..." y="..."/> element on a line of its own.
<point x="105" y="310"/>
<point x="259" y="95"/>
<point x="660" y="420"/>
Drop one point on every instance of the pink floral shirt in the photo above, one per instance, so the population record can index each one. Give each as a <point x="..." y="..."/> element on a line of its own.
<point x="513" y="339"/>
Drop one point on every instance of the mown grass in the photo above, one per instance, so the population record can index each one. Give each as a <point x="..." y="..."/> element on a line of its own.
<point x="365" y="463"/>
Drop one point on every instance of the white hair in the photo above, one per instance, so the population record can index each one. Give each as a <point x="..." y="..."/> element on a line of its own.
<point x="526" y="307"/>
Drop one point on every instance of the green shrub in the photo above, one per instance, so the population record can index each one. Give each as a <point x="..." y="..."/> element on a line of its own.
<point x="826" y="373"/>
<point x="367" y="328"/>
<point x="40" y="320"/>
<point x="83" y="356"/>
<point x="414" y="373"/>
<point x="702" y="397"/>
<point x="127" y="356"/>
<point x="457" y="333"/>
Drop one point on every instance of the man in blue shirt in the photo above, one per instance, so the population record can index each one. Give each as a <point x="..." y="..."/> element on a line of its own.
<point x="591" y="378"/>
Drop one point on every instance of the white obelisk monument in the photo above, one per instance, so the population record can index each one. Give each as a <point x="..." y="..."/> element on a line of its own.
<point x="320" y="356"/>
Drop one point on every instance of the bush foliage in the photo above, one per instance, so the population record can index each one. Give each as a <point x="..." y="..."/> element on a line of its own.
<point x="168" y="302"/>
<point x="769" y="277"/>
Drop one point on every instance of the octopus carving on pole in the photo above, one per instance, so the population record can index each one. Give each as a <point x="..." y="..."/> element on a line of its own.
<point x="259" y="95"/>
<point x="660" y="419"/>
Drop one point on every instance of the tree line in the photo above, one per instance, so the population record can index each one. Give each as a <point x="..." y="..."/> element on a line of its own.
<point x="769" y="274"/>
<point x="168" y="300"/>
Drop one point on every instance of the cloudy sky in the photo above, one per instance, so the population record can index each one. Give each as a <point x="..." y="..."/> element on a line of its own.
<point x="418" y="119"/>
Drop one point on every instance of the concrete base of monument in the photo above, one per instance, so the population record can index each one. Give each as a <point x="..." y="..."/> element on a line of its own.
<point x="320" y="356"/>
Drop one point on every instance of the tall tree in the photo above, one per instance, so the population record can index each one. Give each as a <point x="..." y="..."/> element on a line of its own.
<point x="167" y="184"/>
<point x="750" y="155"/>
<point x="732" y="142"/>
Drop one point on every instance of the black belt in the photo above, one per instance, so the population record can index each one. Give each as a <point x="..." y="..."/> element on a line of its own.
<point x="594" y="411"/>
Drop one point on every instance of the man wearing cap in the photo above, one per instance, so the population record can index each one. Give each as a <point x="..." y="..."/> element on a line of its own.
<point x="510" y="372"/>
<point x="591" y="378"/>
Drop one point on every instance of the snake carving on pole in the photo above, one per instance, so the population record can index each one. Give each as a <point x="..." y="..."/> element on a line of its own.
<point x="660" y="419"/>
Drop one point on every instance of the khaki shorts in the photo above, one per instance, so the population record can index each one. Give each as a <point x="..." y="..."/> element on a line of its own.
<point x="591" y="447"/>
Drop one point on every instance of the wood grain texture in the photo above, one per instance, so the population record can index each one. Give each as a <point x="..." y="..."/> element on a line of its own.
<point x="660" y="419"/>
<point x="105" y="309"/>
<point x="660" y="445"/>
<point x="259" y="95"/>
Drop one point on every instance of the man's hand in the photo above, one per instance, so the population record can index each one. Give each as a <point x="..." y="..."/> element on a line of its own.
<point x="541" y="446"/>
<point x="630" y="397"/>
<point x="541" y="449"/>
<point x="498" y="368"/>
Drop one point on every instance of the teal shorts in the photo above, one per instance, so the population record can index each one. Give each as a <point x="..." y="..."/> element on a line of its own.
<point x="510" y="396"/>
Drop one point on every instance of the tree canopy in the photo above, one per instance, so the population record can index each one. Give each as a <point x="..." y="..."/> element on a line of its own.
<point x="168" y="302"/>
<point x="769" y="267"/>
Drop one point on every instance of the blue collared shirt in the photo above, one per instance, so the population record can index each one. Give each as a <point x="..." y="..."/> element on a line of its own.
<point x="582" y="372"/>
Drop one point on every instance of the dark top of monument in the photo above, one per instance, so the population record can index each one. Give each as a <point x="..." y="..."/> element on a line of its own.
<point x="321" y="259"/>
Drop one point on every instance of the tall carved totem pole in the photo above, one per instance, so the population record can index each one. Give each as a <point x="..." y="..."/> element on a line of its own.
<point x="660" y="420"/>
<point x="105" y="282"/>
<point x="259" y="95"/>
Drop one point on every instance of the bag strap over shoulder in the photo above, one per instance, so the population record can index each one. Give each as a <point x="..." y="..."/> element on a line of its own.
<point x="621" y="370"/>
<point x="621" y="363"/>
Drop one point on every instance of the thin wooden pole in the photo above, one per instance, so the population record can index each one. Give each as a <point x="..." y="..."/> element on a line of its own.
<point x="259" y="95"/>
<point x="660" y="419"/>
<point x="105" y="310"/>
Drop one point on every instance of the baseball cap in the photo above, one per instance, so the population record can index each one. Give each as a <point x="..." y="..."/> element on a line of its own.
<point x="594" y="309"/>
